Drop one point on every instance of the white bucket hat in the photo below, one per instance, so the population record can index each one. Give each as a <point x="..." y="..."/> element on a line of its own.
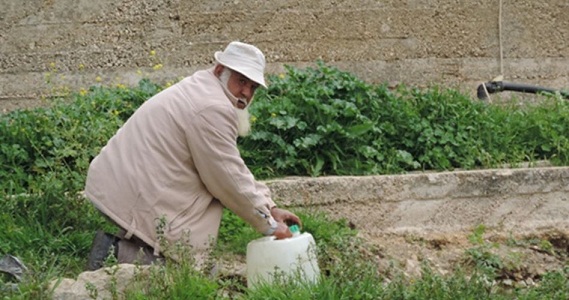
<point x="245" y="59"/>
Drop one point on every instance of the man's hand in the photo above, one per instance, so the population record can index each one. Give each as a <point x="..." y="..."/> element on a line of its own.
<point x="284" y="218"/>
<point x="282" y="231"/>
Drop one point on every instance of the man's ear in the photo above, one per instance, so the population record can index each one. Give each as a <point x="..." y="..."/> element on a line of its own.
<point x="218" y="70"/>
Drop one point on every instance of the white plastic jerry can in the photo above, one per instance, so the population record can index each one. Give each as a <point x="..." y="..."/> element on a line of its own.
<point x="295" y="258"/>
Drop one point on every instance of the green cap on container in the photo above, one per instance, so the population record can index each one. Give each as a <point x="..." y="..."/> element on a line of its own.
<point x="294" y="228"/>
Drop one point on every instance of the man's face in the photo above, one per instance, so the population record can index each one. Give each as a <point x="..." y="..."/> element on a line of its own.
<point x="241" y="87"/>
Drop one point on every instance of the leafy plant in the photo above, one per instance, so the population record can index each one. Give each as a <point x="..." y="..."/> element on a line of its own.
<point x="481" y="256"/>
<point x="323" y="121"/>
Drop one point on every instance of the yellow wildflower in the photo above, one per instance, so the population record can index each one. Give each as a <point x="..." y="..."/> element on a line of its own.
<point x="121" y="86"/>
<point x="273" y="115"/>
<point x="281" y="76"/>
<point x="65" y="90"/>
<point x="253" y="119"/>
<point x="81" y="67"/>
<point x="98" y="79"/>
<point x="82" y="92"/>
<point x="157" y="67"/>
<point x="152" y="52"/>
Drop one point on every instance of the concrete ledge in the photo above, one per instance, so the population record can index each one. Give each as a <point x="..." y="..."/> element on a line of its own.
<point x="514" y="200"/>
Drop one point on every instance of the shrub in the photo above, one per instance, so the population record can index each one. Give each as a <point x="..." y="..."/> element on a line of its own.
<point x="323" y="121"/>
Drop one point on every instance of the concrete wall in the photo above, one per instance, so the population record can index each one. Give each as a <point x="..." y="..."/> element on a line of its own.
<point x="49" y="45"/>
<point x="508" y="200"/>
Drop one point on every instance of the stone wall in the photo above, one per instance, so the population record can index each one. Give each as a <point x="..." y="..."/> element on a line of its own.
<point x="509" y="200"/>
<point x="48" y="46"/>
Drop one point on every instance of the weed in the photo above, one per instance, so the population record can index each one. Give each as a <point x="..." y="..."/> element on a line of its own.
<point x="546" y="246"/>
<point x="481" y="256"/>
<point x="477" y="236"/>
<point x="92" y="290"/>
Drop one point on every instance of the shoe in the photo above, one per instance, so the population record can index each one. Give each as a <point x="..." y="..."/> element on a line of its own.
<point x="101" y="249"/>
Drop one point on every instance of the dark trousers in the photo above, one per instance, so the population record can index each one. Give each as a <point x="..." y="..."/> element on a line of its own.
<point x="133" y="250"/>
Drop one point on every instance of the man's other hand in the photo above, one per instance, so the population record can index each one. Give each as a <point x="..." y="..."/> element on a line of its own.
<point x="285" y="216"/>
<point x="282" y="231"/>
<point x="284" y="219"/>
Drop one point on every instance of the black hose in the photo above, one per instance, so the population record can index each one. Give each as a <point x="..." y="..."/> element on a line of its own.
<point x="492" y="87"/>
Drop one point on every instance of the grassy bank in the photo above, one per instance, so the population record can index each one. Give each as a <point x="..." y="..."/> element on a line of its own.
<point x="310" y="122"/>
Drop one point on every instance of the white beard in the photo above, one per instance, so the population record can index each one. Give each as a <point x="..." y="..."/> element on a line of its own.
<point x="243" y="119"/>
<point x="243" y="122"/>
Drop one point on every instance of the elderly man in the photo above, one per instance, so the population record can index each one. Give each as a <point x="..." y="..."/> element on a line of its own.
<point x="167" y="174"/>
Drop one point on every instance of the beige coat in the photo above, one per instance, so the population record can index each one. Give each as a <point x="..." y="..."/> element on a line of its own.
<point x="172" y="160"/>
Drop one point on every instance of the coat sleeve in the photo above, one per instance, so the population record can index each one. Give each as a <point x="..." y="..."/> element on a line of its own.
<point x="212" y="139"/>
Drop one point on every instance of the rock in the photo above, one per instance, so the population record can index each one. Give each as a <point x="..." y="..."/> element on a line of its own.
<point x="521" y="284"/>
<point x="413" y="268"/>
<point x="99" y="284"/>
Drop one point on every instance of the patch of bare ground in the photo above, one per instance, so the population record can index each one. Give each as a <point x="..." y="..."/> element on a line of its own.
<point x="519" y="260"/>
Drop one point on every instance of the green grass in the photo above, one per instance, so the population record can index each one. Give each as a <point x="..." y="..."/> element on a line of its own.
<point x="310" y="122"/>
